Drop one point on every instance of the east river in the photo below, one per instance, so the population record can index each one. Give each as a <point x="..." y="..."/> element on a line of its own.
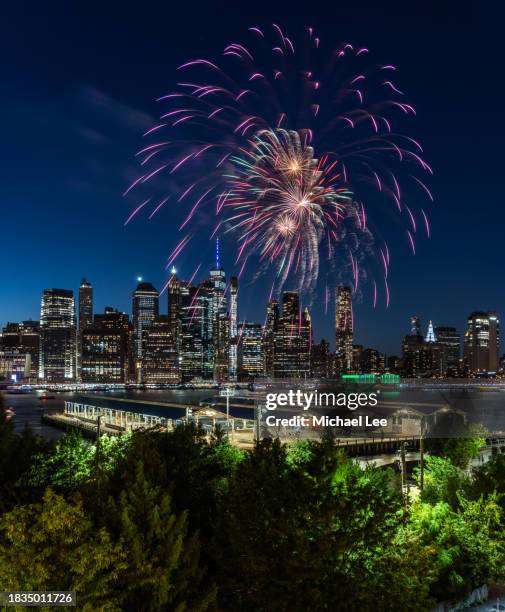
<point x="477" y="403"/>
<point x="28" y="407"/>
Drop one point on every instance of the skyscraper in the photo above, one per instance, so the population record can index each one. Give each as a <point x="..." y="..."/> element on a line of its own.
<point x="415" y="326"/>
<point x="57" y="336"/>
<point x="372" y="362"/>
<point x="343" y="329"/>
<point x="450" y="340"/>
<point x="482" y="341"/>
<point x="85" y="304"/>
<point x="321" y="360"/>
<point x="159" y="362"/>
<point x="357" y="357"/>
<point x="219" y="330"/>
<point x="23" y="339"/>
<point x="174" y="308"/>
<point x="292" y="340"/>
<point x="85" y="317"/>
<point x="192" y="312"/>
<point x="203" y="312"/>
<point x="413" y="355"/>
<point x="106" y="348"/>
<point x="233" y="327"/>
<point x="430" y="336"/>
<point x="271" y="323"/>
<point x="145" y="309"/>
<point x="250" y="353"/>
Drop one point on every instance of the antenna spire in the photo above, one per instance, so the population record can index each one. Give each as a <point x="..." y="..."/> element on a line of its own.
<point x="218" y="266"/>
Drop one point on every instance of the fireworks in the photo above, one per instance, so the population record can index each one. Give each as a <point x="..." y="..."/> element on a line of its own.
<point x="283" y="202"/>
<point x="296" y="153"/>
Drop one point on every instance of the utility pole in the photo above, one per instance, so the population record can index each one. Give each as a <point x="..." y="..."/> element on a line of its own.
<point x="405" y="494"/>
<point x="421" y="460"/>
<point x="228" y="391"/>
<point x="97" y="446"/>
<point x="257" y="414"/>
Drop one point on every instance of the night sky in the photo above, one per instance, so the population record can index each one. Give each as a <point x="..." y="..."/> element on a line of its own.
<point x="79" y="80"/>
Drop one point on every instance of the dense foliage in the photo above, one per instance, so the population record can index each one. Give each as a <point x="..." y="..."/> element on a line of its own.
<point x="178" y="520"/>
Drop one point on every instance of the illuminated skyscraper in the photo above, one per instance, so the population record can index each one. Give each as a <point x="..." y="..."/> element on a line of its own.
<point x="106" y="348"/>
<point x="145" y="309"/>
<point x="271" y="323"/>
<point x="57" y="336"/>
<point x="159" y="362"/>
<point x="421" y="357"/>
<point x="321" y="360"/>
<point x="219" y="331"/>
<point x="343" y="329"/>
<point x="203" y="310"/>
<point x="450" y="340"/>
<point x="85" y="316"/>
<point x="415" y="326"/>
<point x="85" y="304"/>
<point x="250" y="351"/>
<point x="413" y="356"/>
<point x="430" y="336"/>
<point x="233" y="327"/>
<point x="357" y="357"/>
<point x="482" y="341"/>
<point x="23" y="339"/>
<point x="372" y="362"/>
<point x="292" y="340"/>
<point x="192" y="313"/>
<point x="174" y="308"/>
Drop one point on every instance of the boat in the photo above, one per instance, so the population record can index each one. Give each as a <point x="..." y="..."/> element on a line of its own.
<point x="18" y="389"/>
<point x="46" y="396"/>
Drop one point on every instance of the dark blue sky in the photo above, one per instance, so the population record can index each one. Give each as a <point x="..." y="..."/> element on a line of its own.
<point x="77" y="90"/>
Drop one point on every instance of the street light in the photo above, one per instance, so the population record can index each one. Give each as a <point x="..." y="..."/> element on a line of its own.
<point x="227" y="392"/>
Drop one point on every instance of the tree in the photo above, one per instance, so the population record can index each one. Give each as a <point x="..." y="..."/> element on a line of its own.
<point x="468" y="543"/>
<point x="53" y="545"/>
<point x="314" y="534"/>
<point x="443" y="481"/>
<point x="462" y="447"/>
<point x="163" y="571"/>
<point x="193" y="470"/>
<point x="139" y="558"/>
<point x="489" y="479"/>
<point x="17" y="452"/>
<point x="65" y="466"/>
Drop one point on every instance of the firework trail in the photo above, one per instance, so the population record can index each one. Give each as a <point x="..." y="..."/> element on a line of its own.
<point x="295" y="153"/>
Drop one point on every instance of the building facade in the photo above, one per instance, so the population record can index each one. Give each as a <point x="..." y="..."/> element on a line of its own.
<point x="192" y="315"/>
<point x="482" y="342"/>
<point x="343" y="329"/>
<point x="174" y="307"/>
<point x="321" y="360"/>
<point x="84" y="318"/>
<point x="145" y="309"/>
<point x="233" y="327"/>
<point x="23" y="339"/>
<point x="107" y="349"/>
<point x="57" y="336"/>
<point x="292" y="340"/>
<point x="160" y="364"/>
<point x="450" y="340"/>
<point x="271" y="323"/>
<point x="372" y="362"/>
<point x="251" y="362"/>
<point x="219" y="321"/>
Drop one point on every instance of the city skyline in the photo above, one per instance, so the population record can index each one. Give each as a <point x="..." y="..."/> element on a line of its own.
<point x="355" y="336"/>
<point x="201" y="336"/>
